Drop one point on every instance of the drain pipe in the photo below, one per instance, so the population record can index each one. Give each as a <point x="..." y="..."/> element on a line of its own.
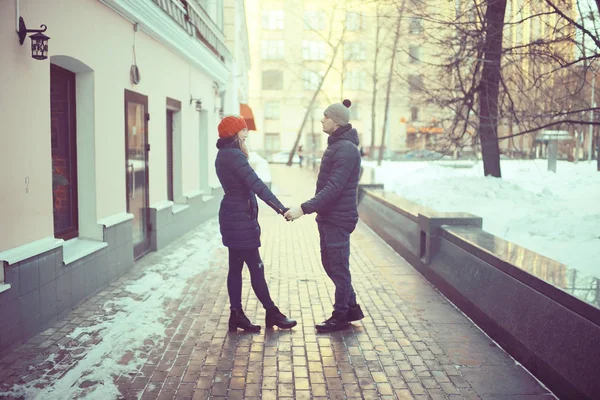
<point x="17" y="15"/>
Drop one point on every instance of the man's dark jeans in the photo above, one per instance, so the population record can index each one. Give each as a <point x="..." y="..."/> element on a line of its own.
<point x="335" y="256"/>
<point x="251" y="257"/>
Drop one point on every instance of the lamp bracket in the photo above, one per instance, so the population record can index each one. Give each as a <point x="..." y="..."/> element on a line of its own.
<point x="23" y="31"/>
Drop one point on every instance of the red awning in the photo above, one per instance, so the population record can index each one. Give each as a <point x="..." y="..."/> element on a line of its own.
<point x="246" y="113"/>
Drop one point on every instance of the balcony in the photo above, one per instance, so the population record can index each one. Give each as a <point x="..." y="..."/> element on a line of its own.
<point x="194" y="19"/>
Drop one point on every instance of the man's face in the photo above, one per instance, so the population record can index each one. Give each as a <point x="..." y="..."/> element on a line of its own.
<point x="329" y="126"/>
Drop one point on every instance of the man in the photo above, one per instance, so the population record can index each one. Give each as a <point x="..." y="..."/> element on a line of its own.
<point x="337" y="213"/>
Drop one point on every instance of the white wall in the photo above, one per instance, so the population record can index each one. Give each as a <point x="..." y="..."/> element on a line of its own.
<point x="25" y="113"/>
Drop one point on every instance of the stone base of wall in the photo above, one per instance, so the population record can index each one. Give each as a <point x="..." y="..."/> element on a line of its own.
<point x="43" y="288"/>
<point x="171" y="222"/>
<point x="555" y="335"/>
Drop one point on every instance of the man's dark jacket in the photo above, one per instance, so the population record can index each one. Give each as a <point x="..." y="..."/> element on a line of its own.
<point x="337" y="183"/>
<point x="238" y="215"/>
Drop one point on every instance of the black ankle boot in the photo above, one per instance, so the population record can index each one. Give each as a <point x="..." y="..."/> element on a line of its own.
<point x="238" y="319"/>
<point x="337" y="322"/>
<point x="355" y="313"/>
<point x="275" y="317"/>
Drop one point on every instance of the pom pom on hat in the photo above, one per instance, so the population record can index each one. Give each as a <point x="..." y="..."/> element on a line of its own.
<point x="347" y="103"/>
<point x="230" y="125"/>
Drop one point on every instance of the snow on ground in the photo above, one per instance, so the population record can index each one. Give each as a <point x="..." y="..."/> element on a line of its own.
<point x="261" y="166"/>
<point x="554" y="214"/>
<point x="131" y="326"/>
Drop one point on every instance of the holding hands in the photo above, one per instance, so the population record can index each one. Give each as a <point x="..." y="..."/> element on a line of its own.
<point x="293" y="213"/>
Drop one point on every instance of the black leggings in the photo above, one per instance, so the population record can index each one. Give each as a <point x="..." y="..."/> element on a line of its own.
<point x="251" y="257"/>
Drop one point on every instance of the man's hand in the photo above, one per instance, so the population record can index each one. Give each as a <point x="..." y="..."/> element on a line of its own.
<point x="293" y="213"/>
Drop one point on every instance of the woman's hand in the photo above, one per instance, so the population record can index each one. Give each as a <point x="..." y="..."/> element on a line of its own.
<point x="294" y="213"/>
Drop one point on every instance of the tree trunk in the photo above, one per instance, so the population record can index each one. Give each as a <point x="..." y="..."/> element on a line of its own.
<point x="489" y="87"/>
<point x="312" y="102"/>
<point x="374" y="100"/>
<point x="389" y="85"/>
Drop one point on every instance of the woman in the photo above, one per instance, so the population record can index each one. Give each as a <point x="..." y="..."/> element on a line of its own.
<point x="238" y="220"/>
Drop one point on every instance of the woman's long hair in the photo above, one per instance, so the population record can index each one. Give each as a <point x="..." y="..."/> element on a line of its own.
<point x="240" y="143"/>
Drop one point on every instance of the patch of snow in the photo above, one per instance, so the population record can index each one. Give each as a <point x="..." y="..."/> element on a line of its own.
<point x="261" y="166"/>
<point x="554" y="214"/>
<point x="130" y="326"/>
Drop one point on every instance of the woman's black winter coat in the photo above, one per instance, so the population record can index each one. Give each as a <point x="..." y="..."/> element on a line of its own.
<point x="238" y="215"/>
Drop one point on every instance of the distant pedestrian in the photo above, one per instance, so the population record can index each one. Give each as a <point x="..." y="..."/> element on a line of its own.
<point x="300" y="155"/>
<point x="238" y="221"/>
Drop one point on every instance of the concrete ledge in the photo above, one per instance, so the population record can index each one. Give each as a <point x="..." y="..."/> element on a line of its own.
<point x="552" y="333"/>
<point x="170" y="223"/>
<point x="41" y="288"/>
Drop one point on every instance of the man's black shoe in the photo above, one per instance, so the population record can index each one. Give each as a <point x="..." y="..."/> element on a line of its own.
<point x="337" y="322"/>
<point x="355" y="313"/>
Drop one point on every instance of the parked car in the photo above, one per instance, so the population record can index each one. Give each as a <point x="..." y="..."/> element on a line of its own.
<point x="282" y="158"/>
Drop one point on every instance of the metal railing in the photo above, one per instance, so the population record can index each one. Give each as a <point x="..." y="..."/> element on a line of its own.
<point x="196" y="22"/>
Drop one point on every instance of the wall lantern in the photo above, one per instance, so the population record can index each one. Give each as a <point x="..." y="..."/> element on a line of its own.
<point x="198" y="103"/>
<point x="39" y="41"/>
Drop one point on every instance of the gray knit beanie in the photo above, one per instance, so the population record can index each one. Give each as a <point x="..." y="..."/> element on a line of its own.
<point x="339" y="112"/>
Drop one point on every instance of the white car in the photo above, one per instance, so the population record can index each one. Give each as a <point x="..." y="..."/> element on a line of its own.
<point x="282" y="158"/>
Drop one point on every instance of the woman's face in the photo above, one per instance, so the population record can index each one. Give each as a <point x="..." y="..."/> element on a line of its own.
<point x="243" y="133"/>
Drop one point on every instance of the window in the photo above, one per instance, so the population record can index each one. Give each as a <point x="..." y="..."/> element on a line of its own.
<point x="272" y="80"/>
<point x="63" y="139"/>
<point x="415" y="83"/>
<point x="170" y="190"/>
<point x="314" y="20"/>
<point x="414" y="54"/>
<point x="355" y="80"/>
<point x="354" y="111"/>
<point x="416" y="26"/>
<point x="272" y="49"/>
<point x="354" y="21"/>
<point x="272" y="143"/>
<point x="354" y="51"/>
<point x="414" y="114"/>
<point x="311" y="79"/>
<point x="273" y="20"/>
<point x="313" y="50"/>
<point x="272" y="110"/>
<point x="173" y="150"/>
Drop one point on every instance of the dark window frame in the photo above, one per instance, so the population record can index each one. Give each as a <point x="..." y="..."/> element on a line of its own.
<point x="73" y="230"/>
<point x="173" y="107"/>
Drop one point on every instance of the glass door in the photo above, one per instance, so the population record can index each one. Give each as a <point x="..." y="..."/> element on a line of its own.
<point x="136" y="171"/>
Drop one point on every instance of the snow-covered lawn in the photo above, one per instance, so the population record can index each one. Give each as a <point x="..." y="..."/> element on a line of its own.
<point x="556" y="215"/>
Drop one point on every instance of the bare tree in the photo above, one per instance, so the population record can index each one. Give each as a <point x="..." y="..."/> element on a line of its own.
<point x="334" y="47"/>
<point x="389" y="82"/>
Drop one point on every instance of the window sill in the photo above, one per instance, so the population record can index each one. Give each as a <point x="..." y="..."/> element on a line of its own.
<point x="115" y="219"/>
<point x="195" y="193"/>
<point x="29" y="250"/>
<point x="76" y="249"/>
<point x="163" y="205"/>
<point x="177" y="208"/>
<point x="4" y="287"/>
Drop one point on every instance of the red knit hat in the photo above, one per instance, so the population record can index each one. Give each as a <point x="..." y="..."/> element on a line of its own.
<point x="231" y="125"/>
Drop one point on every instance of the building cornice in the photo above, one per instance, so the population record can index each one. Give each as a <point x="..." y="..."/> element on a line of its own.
<point x="155" y="22"/>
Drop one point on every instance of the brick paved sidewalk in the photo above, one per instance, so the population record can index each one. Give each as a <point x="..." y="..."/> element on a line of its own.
<point x="172" y="341"/>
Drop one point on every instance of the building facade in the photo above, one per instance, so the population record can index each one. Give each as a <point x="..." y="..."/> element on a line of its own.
<point x="109" y="141"/>
<point x="292" y="45"/>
